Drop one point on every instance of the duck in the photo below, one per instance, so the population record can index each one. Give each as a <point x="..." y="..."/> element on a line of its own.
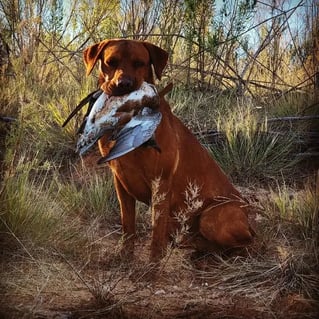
<point x="129" y="121"/>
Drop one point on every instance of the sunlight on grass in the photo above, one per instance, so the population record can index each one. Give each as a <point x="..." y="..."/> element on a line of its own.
<point x="30" y="209"/>
<point x="249" y="151"/>
<point x="299" y="208"/>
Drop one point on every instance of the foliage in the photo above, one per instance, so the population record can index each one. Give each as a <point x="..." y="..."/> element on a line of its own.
<point x="30" y="210"/>
<point x="247" y="45"/>
<point x="90" y="195"/>
<point x="249" y="151"/>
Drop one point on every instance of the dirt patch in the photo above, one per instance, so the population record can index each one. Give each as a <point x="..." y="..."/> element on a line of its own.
<point x="184" y="285"/>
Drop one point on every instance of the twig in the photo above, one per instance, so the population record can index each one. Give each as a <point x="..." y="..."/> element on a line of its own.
<point x="18" y="240"/>
<point x="7" y="119"/>
<point x="294" y="118"/>
<point x="59" y="60"/>
<point x="91" y="290"/>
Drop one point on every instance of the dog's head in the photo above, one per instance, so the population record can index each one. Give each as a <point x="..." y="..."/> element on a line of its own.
<point x="125" y="64"/>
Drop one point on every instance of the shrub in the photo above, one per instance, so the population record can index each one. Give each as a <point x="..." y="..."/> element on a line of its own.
<point x="30" y="210"/>
<point x="249" y="152"/>
<point x="89" y="194"/>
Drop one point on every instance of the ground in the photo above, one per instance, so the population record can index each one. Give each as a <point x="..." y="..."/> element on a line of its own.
<point x="274" y="278"/>
<point x="186" y="285"/>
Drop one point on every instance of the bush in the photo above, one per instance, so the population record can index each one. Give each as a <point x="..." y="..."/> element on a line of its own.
<point x="30" y="209"/>
<point x="90" y="195"/>
<point x="249" y="152"/>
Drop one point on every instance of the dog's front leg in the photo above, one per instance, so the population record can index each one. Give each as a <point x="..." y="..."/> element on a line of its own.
<point x="160" y="219"/>
<point x="127" y="206"/>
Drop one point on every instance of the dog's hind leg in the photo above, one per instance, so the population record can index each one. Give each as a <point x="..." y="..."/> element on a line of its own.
<point x="226" y="225"/>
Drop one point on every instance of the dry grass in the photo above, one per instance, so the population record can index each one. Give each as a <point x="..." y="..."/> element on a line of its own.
<point x="61" y="237"/>
<point x="276" y="277"/>
<point x="250" y="151"/>
<point x="30" y="209"/>
<point x="276" y="283"/>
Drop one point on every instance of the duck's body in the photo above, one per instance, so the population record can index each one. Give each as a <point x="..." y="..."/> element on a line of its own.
<point x="127" y="121"/>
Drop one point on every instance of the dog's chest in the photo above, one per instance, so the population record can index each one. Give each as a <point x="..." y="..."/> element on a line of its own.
<point x="134" y="178"/>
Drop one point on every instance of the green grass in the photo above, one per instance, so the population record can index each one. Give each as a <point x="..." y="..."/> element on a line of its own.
<point x="291" y="104"/>
<point x="300" y="209"/>
<point x="30" y="209"/>
<point x="41" y="202"/>
<point x="40" y="207"/>
<point x="90" y="194"/>
<point x="249" y="151"/>
<point x="39" y="144"/>
<point x="50" y="202"/>
<point x="198" y="110"/>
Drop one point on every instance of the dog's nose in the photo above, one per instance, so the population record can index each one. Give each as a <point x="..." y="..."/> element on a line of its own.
<point x="125" y="83"/>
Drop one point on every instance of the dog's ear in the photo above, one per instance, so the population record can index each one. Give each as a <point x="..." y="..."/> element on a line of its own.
<point x="92" y="54"/>
<point x="158" y="58"/>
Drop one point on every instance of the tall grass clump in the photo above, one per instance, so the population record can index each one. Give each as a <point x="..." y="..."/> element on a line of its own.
<point x="198" y="109"/>
<point x="249" y="151"/>
<point x="38" y="204"/>
<point x="299" y="209"/>
<point x="40" y="126"/>
<point x="41" y="98"/>
<point x="89" y="194"/>
<point x="291" y="104"/>
<point x="30" y="210"/>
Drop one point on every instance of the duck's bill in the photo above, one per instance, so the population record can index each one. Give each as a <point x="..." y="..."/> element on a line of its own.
<point x="89" y="99"/>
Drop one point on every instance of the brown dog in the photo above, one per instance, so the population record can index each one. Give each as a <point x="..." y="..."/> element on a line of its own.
<point x="218" y="216"/>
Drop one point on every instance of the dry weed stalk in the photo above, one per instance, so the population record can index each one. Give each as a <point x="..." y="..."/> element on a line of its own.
<point x="192" y="200"/>
<point x="263" y="280"/>
<point x="157" y="198"/>
<point x="105" y="287"/>
<point x="192" y="204"/>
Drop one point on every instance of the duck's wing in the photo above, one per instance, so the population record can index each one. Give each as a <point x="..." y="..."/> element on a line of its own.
<point x="135" y="133"/>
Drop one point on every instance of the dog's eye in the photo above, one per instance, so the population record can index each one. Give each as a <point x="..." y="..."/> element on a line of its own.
<point x="138" y="64"/>
<point x="112" y="63"/>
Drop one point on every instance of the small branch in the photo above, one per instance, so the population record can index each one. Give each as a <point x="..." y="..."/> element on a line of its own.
<point x="7" y="119"/>
<point x="308" y="154"/>
<point x="58" y="59"/>
<point x="294" y="118"/>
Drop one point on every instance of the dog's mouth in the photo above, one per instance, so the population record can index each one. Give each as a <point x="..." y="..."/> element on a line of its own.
<point x="113" y="89"/>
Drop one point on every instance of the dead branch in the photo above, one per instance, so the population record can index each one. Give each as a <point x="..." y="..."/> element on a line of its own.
<point x="7" y="119"/>
<point x="294" y="118"/>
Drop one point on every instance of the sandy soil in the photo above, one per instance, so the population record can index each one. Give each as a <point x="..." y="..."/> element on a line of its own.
<point x="184" y="285"/>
